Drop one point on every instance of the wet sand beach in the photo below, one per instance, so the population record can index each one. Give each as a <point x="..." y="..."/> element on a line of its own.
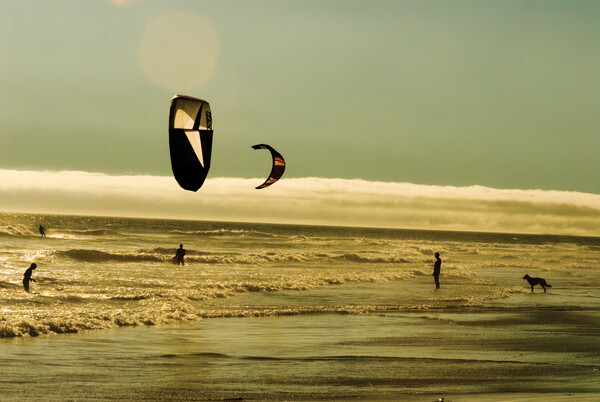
<point x="491" y="351"/>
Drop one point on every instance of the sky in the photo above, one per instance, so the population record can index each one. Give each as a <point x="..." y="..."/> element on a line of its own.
<point x="385" y="103"/>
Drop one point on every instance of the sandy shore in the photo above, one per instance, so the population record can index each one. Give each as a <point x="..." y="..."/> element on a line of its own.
<point x="484" y="354"/>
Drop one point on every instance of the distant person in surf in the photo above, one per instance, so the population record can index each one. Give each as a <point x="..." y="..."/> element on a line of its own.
<point x="179" y="255"/>
<point x="27" y="276"/>
<point x="42" y="231"/>
<point x="436" y="270"/>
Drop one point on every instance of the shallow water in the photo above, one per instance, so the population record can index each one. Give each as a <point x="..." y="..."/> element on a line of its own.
<point x="293" y="312"/>
<point x="409" y="355"/>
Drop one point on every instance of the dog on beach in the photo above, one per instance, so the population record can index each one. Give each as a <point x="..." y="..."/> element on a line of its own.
<point x="537" y="281"/>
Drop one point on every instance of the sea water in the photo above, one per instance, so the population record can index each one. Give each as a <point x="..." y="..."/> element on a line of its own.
<point x="292" y="312"/>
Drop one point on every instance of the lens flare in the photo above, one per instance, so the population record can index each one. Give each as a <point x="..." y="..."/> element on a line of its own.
<point x="179" y="51"/>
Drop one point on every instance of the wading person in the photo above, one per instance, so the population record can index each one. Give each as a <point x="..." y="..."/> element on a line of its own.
<point x="27" y="277"/>
<point x="179" y="255"/>
<point x="436" y="270"/>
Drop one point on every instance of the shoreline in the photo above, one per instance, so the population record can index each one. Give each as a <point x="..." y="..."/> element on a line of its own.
<point x="410" y="355"/>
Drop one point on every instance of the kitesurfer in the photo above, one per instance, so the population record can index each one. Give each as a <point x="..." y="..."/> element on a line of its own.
<point x="27" y="276"/>
<point x="179" y="255"/>
<point x="436" y="270"/>
<point x="42" y="231"/>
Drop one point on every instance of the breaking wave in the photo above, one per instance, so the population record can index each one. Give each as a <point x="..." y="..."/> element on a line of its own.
<point x="91" y="232"/>
<point x="223" y="233"/>
<point x="16" y="231"/>
<point x="163" y="254"/>
<point x="85" y="255"/>
<point x="145" y="310"/>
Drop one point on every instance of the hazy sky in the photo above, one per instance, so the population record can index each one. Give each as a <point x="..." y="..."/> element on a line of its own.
<point x="500" y="94"/>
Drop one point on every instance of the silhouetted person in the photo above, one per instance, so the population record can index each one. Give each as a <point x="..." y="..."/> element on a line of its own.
<point x="179" y="255"/>
<point x="42" y="231"/>
<point x="27" y="276"/>
<point x="436" y="270"/>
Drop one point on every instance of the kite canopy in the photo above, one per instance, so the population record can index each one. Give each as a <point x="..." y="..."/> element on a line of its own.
<point x="278" y="165"/>
<point x="190" y="140"/>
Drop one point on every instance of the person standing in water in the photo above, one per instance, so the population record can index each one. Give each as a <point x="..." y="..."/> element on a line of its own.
<point x="179" y="255"/>
<point x="42" y="231"/>
<point x="27" y="276"/>
<point x="436" y="270"/>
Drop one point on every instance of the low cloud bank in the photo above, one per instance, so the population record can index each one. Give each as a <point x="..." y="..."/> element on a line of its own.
<point x="305" y="201"/>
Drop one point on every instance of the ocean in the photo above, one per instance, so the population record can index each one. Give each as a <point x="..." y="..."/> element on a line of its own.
<point x="290" y="312"/>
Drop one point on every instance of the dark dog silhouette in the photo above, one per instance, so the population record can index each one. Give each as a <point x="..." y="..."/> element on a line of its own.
<point x="537" y="281"/>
